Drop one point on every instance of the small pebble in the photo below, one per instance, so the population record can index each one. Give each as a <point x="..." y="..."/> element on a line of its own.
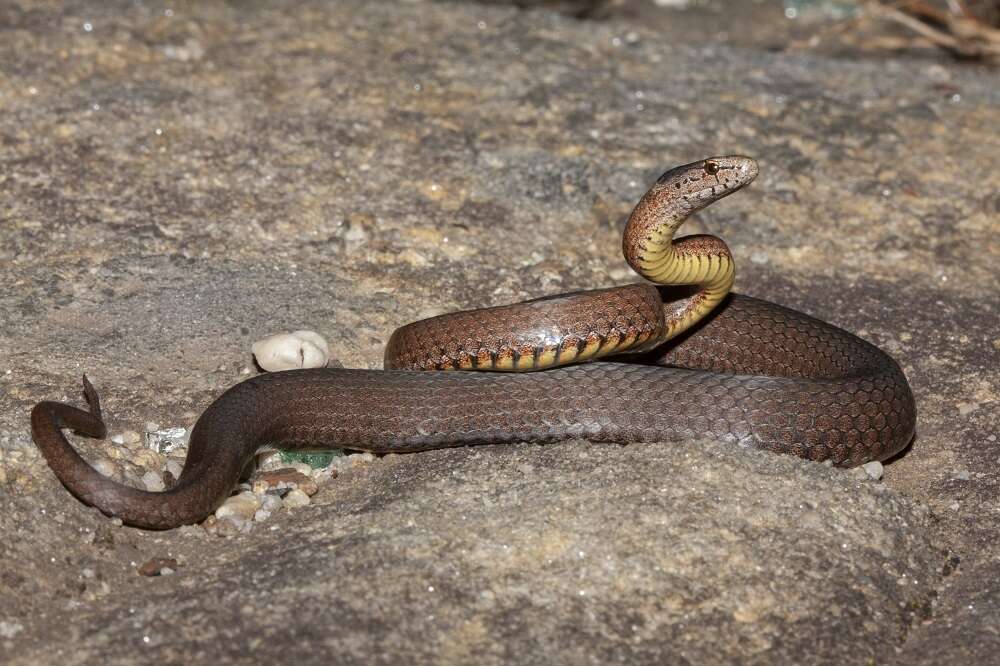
<point x="242" y="506"/>
<point x="414" y="258"/>
<point x="147" y="458"/>
<point x="106" y="468"/>
<point x="174" y="467"/>
<point x="131" y="478"/>
<point x="270" y="503"/>
<point x="360" y="459"/>
<point x="232" y="525"/>
<point x="288" y="351"/>
<point x="296" y="498"/>
<point x="874" y="469"/>
<point x="324" y="475"/>
<point x="158" y="566"/>
<point x="341" y="464"/>
<point x="10" y="629"/>
<point x="963" y="475"/>
<point x="153" y="482"/>
<point x="130" y="437"/>
<point x="301" y="468"/>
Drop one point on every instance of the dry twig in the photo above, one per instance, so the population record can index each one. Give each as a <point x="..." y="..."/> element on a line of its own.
<point x="955" y="29"/>
<point x="959" y="32"/>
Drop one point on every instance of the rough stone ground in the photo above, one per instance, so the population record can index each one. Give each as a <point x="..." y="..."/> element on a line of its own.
<point x="176" y="182"/>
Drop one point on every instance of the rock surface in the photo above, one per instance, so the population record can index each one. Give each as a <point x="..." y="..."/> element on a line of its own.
<point x="178" y="182"/>
<point x="467" y="557"/>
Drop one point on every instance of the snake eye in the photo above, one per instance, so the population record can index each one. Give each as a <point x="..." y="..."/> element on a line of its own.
<point x="711" y="168"/>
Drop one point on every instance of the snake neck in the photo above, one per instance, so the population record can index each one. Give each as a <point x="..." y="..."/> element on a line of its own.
<point x="704" y="261"/>
<point x="701" y="261"/>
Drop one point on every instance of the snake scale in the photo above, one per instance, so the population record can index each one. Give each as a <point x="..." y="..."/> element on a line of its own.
<point x="711" y="364"/>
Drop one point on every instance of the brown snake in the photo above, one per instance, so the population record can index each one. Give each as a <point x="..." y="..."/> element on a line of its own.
<point x="750" y="372"/>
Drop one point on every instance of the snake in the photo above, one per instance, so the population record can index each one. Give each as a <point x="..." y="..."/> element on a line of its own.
<point x="634" y="363"/>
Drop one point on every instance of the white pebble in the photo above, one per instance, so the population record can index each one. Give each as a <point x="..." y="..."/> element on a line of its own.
<point x="234" y="524"/>
<point x="242" y="506"/>
<point x="153" y="482"/>
<point x="131" y="437"/>
<point x="270" y="503"/>
<point x="174" y="467"/>
<point x="361" y="459"/>
<point x="10" y="629"/>
<point x="288" y="351"/>
<point x="106" y="467"/>
<point x="132" y="478"/>
<point x="323" y="475"/>
<point x="296" y="498"/>
<point x="874" y="469"/>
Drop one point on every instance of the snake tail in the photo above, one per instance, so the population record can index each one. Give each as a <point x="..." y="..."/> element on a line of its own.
<point x="223" y="452"/>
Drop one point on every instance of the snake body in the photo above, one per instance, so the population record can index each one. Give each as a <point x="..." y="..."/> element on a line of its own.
<point x="709" y="365"/>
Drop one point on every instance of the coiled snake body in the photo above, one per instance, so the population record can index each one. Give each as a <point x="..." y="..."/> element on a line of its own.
<point x="727" y="367"/>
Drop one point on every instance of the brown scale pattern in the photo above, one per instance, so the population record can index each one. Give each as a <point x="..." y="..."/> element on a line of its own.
<point x="757" y="375"/>
<point x="524" y="334"/>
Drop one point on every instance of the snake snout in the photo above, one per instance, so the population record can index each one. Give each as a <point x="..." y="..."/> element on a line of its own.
<point x="731" y="171"/>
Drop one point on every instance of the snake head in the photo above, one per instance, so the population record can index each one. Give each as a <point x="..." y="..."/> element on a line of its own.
<point x="681" y="191"/>
<point x="693" y="186"/>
